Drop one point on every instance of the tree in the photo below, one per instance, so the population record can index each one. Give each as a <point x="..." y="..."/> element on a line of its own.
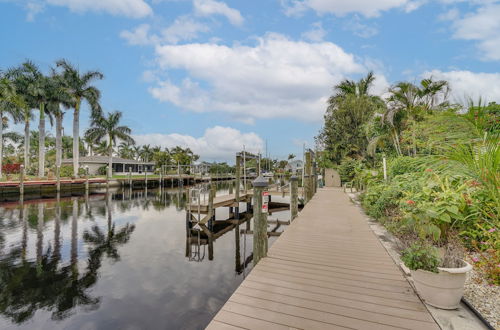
<point x="80" y="88"/>
<point x="407" y="102"/>
<point x="108" y="127"/>
<point x="9" y="105"/>
<point x="349" y="111"/>
<point x="125" y="150"/>
<point x="291" y="156"/>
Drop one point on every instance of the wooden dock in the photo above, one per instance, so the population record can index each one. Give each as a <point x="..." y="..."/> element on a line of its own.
<point x="326" y="271"/>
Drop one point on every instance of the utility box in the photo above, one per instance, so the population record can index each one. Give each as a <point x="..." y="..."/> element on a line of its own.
<point x="332" y="178"/>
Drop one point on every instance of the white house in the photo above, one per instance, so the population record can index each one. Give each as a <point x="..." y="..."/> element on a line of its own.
<point x="120" y="165"/>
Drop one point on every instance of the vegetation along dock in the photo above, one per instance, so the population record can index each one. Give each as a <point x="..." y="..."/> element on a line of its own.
<point x="327" y="270"/>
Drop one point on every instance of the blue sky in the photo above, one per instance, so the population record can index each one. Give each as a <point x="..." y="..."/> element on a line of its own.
<point x="217" y="75"/>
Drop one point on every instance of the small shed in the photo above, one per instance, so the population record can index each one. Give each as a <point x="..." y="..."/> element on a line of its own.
<point x="120" y="165"/>
<point x="332" y="178"/>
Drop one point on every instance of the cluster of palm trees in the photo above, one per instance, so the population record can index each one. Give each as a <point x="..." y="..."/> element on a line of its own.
<point x="357" y="122"/>
<point x="25" y="90"/>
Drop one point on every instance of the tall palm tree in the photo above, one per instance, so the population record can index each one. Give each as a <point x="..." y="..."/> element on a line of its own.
<point x="146" y="153"/>
<point x="9" y="105"/>
<point x="80" y="88"/>
<point x="407" y="101"/>
<point x="109" y="127"/>
<point x="125" y="150"/>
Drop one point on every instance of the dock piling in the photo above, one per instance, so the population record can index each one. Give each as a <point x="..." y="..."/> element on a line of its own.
<point x="21" y="181"/>
<point x="294" y="197"/>
<point x="260" y="220"/>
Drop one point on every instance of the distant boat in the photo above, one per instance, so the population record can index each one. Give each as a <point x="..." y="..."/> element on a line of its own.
<point x="268" y="174"/>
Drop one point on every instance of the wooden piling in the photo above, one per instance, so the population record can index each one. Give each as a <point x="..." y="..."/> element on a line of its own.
<point x="307" y="178"/>
<point x="21" y="181"/>
<point x="146" y="178"/>
<point x="259" y="220"/>
<point x="237" y="188"/>
<point x="294" y="197"/>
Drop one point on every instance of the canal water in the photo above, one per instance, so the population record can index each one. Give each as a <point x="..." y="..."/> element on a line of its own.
<point x="117" y="260"/>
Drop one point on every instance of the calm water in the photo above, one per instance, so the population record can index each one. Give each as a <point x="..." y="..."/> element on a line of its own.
<point x="118" y="260"/>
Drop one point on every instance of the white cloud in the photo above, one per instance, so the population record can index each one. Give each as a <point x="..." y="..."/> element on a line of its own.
<point x="212" y="7"/>
<point x="183" y="28"/>
<point x="467" y="84"/>
<point x="276" y="78"/>
<point x="129" y="8"/>
<point x="316" y="34"/>
<point x="361" y="30"/>
<point x="139" y="36"/>
<point x="484" y="27"/>
<point x="217" y="143"/>
<point x="368" y="8"/>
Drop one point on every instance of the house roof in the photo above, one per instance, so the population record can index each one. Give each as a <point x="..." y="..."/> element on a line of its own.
<point x="105" y="159"/>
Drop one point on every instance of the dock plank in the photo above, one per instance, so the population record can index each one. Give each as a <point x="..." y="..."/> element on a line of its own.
<point x="326" y="271"/>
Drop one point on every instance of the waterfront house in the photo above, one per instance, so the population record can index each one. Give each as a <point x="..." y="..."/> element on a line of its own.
<point x="121" y="166"/>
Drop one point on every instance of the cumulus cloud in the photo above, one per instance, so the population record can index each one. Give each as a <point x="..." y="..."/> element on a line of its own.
<point x="467" y="84"/>
<point x="212" y="7"/>
<point x="276" y="77"/>
<point x="482" y="26"/>
<point x="129" y="8"/>
<point x="217" y="143"/>
<point x="368" y="8"/>
<point x="316" y="34"/>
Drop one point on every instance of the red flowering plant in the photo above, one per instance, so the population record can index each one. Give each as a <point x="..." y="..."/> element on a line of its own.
<point x="11" y="168"/>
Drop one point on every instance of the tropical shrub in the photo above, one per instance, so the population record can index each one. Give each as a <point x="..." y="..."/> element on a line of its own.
<point x="422" y="256"/>
<point x="348" y="169"/>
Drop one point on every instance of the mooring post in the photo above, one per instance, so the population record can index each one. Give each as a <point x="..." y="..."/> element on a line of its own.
<point x="146" y="178"/>
<point x="130" y="176"/>
<point x="188" y="205"/>
<point x="237" y="188"/>
<point x="58" y="178"/>
<point x="107" y="177"/>
<point x="294" y="197"/>
<point x="259" y="219"/>
<point x="21" y="181"/>
<point x="315" y="178"/>
<point x="308" y="176"/>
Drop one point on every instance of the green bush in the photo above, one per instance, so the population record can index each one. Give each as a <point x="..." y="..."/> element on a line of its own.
<point x="66" y="171"/>
<point x="103" y="170"/>
<point x="348" y="168"/>
<point x="421" y="256"/>
<point x="401" y="165"/>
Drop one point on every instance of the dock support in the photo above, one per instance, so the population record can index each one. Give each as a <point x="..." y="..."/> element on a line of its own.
<point x="146" y="179"/>
<point x="58" y="178"/>
<point x="307" y="178"/>
<point x="259" y="221"/>
<point x="21" y="181"/>
<point x="237" y="188"/>
<point x="294" y="197"/>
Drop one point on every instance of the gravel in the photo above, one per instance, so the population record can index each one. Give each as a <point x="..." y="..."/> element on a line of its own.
<point x="484" y="297"/>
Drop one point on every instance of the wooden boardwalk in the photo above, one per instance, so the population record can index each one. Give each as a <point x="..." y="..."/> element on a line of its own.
<point x="327" y="271"/>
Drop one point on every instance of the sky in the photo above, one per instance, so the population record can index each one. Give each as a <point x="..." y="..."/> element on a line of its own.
<point x="219" y="75"/>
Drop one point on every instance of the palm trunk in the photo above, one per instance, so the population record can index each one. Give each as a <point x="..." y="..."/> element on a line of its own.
<point x="1" y="143"/>
<point x="110" y="160"/>
<point x="76" y="138"/>
<point x="41" y="142"/>
<point x="59" y="119"/>
<point x="26" y="142"/>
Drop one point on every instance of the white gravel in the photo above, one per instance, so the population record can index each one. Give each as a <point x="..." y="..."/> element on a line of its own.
<point x="484" y="297"/>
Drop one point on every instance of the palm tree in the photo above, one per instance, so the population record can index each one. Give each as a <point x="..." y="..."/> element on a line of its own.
<point x="125" y="150"/>
<point x="146" y="152"/>
<point x="407" y="101"/>
<point x="9" y="102"/>
<point x="80" y="88"/>
<point x="109" y="127"/>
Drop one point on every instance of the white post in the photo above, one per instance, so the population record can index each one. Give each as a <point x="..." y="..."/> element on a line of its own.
<point x="384" y="164"/>
<point x="244" y="169"/>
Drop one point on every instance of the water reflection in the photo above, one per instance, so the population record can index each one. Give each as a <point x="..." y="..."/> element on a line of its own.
<point x="125" y="258"/>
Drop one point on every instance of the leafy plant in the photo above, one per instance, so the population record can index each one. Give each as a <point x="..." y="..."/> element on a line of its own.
<point x="422" y="256"/>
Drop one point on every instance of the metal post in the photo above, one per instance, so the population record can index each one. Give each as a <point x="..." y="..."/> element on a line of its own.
<point x="58" y="178"/>
<point x="21" y="181"/>
<point x="259" y="220"/>
<point x="294" y="197"/>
